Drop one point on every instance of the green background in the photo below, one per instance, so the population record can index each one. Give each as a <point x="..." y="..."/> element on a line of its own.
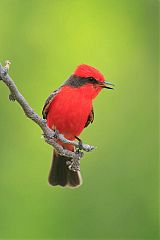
<point x="46" y="40"/>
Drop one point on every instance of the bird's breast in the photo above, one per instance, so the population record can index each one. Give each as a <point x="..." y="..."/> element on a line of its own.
<point x="69" y="111"/>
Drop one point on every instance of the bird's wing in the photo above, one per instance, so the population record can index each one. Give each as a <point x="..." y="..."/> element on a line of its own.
<point x="90" y="118"/>
<point x="48" y="102"/>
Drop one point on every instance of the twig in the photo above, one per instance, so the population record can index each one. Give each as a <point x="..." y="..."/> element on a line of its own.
<point x="49" y="135"/>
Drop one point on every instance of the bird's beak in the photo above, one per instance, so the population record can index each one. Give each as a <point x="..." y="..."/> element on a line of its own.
<point x="105" y="84"/>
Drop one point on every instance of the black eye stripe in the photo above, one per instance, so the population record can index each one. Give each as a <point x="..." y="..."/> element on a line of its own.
<point x="75" y="81"/>
<point x="91" y="79"/>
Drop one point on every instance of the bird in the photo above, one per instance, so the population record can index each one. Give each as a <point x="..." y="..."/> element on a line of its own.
<point x="69" y="109"/>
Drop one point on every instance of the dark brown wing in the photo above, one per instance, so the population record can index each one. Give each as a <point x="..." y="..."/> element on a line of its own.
<point x="48" y="102"/>
<point x="90" y="118"/>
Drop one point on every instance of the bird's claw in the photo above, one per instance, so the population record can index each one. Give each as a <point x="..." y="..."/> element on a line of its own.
<point x="80" y="144"/>
<point x="56" y="133"/>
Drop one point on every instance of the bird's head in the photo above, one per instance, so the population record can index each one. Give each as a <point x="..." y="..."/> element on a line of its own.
<point x="89" y="80"/>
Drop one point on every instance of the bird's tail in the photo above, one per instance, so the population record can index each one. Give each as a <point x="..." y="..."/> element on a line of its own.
<point x="61" y="175"/>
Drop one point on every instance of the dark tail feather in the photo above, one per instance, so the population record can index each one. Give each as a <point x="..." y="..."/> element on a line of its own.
<point x="60" y="174"/>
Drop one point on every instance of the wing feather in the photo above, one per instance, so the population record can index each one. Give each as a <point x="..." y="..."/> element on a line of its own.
<point x="48" y="102"/>
<point x="90" y="118"/>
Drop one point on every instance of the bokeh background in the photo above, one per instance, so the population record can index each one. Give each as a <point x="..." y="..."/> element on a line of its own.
<point x="46" y="39"/>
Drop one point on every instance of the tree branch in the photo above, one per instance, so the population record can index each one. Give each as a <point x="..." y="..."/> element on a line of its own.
<point x="50" y="136"/>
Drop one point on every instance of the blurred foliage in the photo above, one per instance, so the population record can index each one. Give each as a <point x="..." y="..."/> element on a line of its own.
<point x="46" y="39"/>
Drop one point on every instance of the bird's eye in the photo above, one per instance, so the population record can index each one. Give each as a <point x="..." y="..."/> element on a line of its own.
<point x="91" y="79"/>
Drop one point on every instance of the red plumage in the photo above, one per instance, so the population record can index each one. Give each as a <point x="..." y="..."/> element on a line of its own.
<point x="69" y="111"/>
<point x="85" y="71"/>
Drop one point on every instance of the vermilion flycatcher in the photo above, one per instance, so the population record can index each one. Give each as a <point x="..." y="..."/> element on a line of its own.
<point x="69" y="110"/>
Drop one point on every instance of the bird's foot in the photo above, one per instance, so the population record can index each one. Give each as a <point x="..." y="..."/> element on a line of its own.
<point x="52" y="134"/>
<point x="56" y="133"/>
<point x="80" y="144"/>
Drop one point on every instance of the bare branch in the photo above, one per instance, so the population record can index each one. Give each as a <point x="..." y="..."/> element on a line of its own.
<point x="50" y="136"/>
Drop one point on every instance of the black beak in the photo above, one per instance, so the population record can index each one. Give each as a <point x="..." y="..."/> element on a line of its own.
<point x="105" y="84"/>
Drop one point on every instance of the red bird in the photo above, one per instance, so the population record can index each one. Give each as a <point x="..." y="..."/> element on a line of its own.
<point x="69" y="110"/>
